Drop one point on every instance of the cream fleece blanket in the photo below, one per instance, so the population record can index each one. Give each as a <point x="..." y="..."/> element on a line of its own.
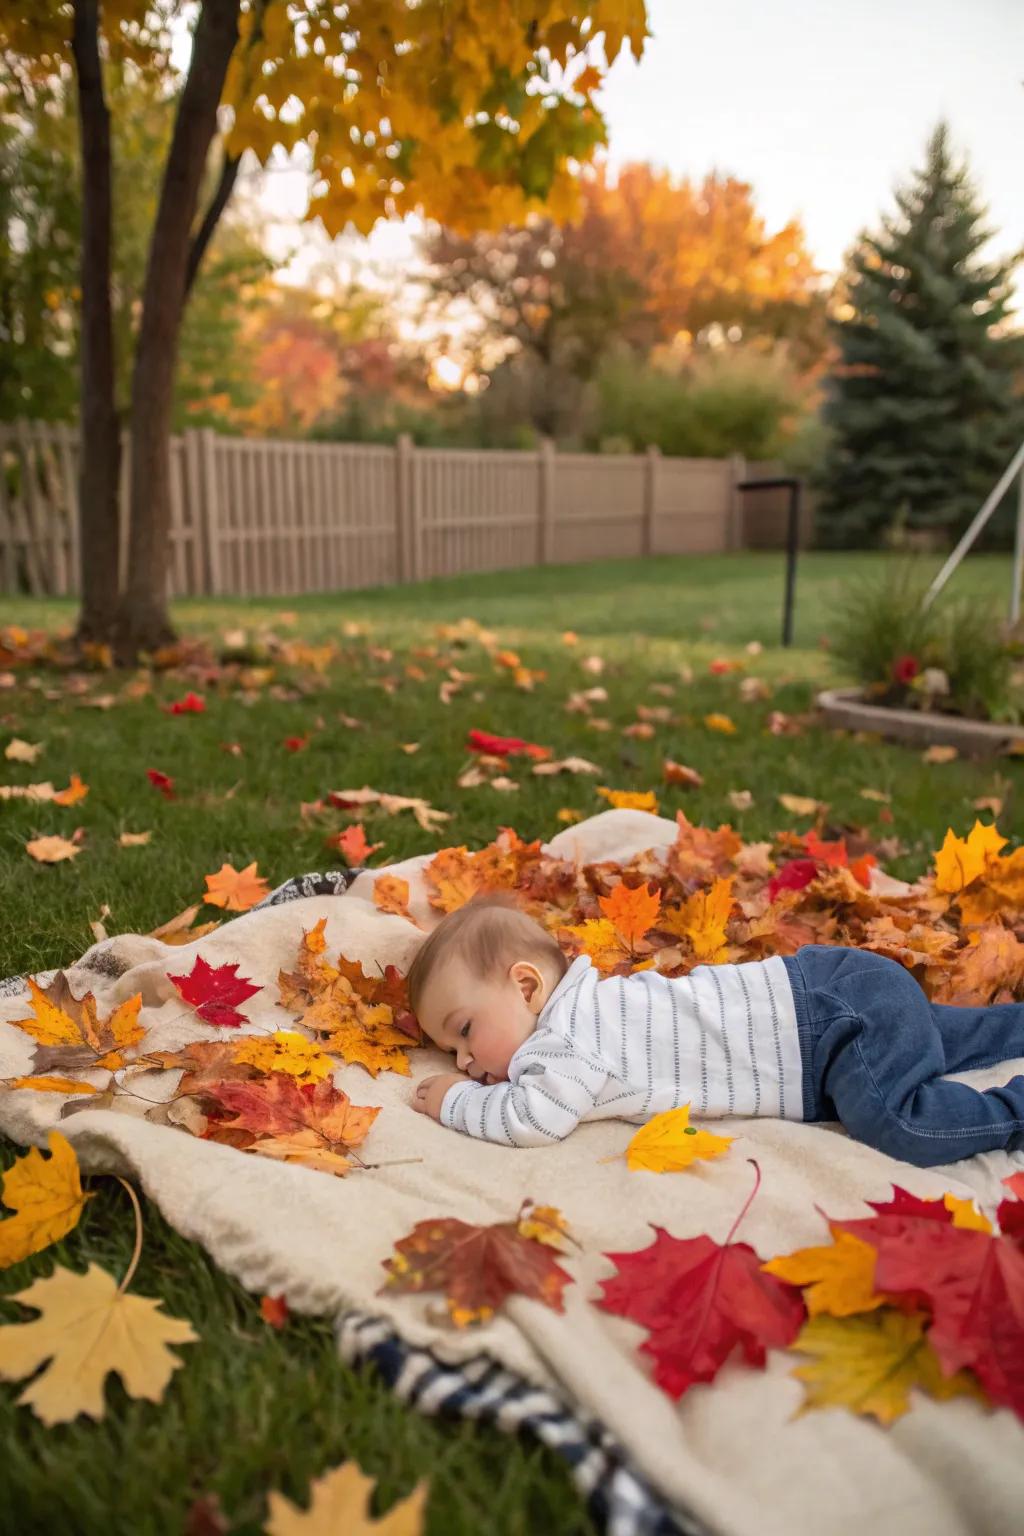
<point x="730" y="1452"/>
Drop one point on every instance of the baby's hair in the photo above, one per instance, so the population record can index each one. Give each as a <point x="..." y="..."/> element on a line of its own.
<point x="491" y="933"/>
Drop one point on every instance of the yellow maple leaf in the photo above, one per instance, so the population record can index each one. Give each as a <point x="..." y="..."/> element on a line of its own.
<point x="70" y="1033"/>
<point x="285" y="1051"/>
<point x="720" y="723"/>
<point x="702" y="919"/>
<point x="88" y="1328"/>
<point x="46" y="1195"/>
<point x="235" y="890"/>
<point x="669" y="1143"/>
<point x="839" y="1278"/>
<point x="629" y="799"/>
<point x="339" y="1503"/>
<point x="52" y="1084"/>
<point x="966" y="1214"/>
<point x="544" y="1223"/>
<point x="870" y="1364"/>
<point x="960" y="861"/>
<point x="391" y="894"/>
<point x="368" y="1038"/>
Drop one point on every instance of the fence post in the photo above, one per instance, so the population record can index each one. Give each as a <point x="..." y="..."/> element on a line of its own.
<point x="546" y="502"/>
<point x="208" y="504"/>
<point x="650" y="498"/>
<point x="406" y="511"/>
<point x="735" y="529"/>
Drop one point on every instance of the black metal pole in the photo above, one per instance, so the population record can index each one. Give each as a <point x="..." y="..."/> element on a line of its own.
<point x="795" y="488"/>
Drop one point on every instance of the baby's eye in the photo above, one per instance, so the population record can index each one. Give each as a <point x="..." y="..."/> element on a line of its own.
<point x="464" y="1031"/>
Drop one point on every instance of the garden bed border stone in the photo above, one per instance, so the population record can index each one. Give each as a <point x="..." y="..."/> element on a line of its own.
<point x="846" y="708"/>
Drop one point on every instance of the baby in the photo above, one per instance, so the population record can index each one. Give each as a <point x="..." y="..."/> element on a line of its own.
<point x="828" y="1033"/>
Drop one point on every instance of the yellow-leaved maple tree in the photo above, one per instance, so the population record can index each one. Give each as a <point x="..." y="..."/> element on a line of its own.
<point x="469" y="111"/>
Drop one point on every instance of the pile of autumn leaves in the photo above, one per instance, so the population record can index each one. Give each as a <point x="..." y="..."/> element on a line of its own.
<point x="925" y="1293"/>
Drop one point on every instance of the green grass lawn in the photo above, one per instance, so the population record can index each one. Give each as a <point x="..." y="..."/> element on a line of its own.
<point x="252" y="1409"/>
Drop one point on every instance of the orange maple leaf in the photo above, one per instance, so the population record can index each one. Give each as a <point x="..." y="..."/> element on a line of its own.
<point x="234" y="890"/>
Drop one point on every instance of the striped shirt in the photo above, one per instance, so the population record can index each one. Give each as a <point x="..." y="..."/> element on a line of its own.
<point x="722" y="1039"/>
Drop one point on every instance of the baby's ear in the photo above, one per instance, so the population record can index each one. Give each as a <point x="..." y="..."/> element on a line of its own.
<point x="530" y="982"/>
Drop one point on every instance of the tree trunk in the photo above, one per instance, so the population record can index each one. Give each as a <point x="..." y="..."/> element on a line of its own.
<point x="100" y="451"/>
<point x="143" y="621"/>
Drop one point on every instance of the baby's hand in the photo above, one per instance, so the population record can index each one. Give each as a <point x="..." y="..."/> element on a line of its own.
<point x="431" y="1090"/>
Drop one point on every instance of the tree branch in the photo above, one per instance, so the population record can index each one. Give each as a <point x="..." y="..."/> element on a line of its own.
<point x="217" y="204"/>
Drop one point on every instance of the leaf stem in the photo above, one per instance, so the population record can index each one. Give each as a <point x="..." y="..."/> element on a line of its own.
<point x="129" y="1272"/>
<point x="757" y="1185"/>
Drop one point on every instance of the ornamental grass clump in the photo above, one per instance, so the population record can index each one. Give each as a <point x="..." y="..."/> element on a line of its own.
<point x="953" y="657"/>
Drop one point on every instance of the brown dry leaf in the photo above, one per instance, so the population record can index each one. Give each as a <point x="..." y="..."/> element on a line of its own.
<point x="679" y="773"/>
<point x="137" y="840"/>
<point x="18" y="751"/>
<point x="51" y="850"/>
<point x="801" y="805"/>
<point x="740" y="799"/>
<point x="565" y="765"/>
<point x="939" y="754"/>
<point x="178" y="930"/>
<point x="338" y="1506"/>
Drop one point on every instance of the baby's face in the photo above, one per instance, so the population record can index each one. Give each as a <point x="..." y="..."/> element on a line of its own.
<point x="483" y="1022"/>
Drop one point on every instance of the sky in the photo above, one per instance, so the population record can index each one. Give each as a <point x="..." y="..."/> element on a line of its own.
<point x="822" y="106"/>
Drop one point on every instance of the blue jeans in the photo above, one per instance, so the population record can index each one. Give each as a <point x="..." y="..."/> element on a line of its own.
<point x="874" y="1050"/>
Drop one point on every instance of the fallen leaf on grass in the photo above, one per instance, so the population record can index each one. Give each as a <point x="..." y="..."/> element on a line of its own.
<point x="87" y="1329"/>
<point x="162" y="782"/>
<point x="135" y="840"/>
<point x="234" y="890"/>
<point x="679" y="773"/>
<point x="51" y="850"/>
<point x="274" y="1310"/>
<point x="720" y="723"/>
<point x="630" y="799"/>
<point x="18" y="751"/>
<point x="740" y="799"/>
<point x="939" y="754"/>
<point x="338" y="1506"/>
<point x="352" y="844"/>
<point x="46" y="1196"/>
<point x="801" y="805"/>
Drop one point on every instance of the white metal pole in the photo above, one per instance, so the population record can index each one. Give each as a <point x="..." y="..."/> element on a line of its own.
<point x="981" y="517"/>
<point x="1018" y="554"/>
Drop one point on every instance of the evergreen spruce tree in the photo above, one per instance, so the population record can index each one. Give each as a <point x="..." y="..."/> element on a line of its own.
<point x="922" y="404"/>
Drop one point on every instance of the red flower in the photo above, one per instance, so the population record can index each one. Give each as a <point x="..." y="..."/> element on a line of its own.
<point x="904" y="668"/>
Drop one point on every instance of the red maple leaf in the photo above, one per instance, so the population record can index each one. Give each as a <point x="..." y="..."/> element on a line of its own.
<point x="700" y="1299"/>
<point x="505" y="746"/>
<point x="213" y="991"/>
<point x="972" y="1283"/>
<point x="296" y="743"/>
<point x="191" y="704"/>
<point x="161" y="782"/>
<point x="1015" y="1184"/>
<point x="792" y="877"/>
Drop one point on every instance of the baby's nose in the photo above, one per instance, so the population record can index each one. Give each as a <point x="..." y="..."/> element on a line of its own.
<point x="462" y="1059"/>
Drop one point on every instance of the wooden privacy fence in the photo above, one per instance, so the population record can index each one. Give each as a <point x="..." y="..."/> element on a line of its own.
<point x="251" y="517"/>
